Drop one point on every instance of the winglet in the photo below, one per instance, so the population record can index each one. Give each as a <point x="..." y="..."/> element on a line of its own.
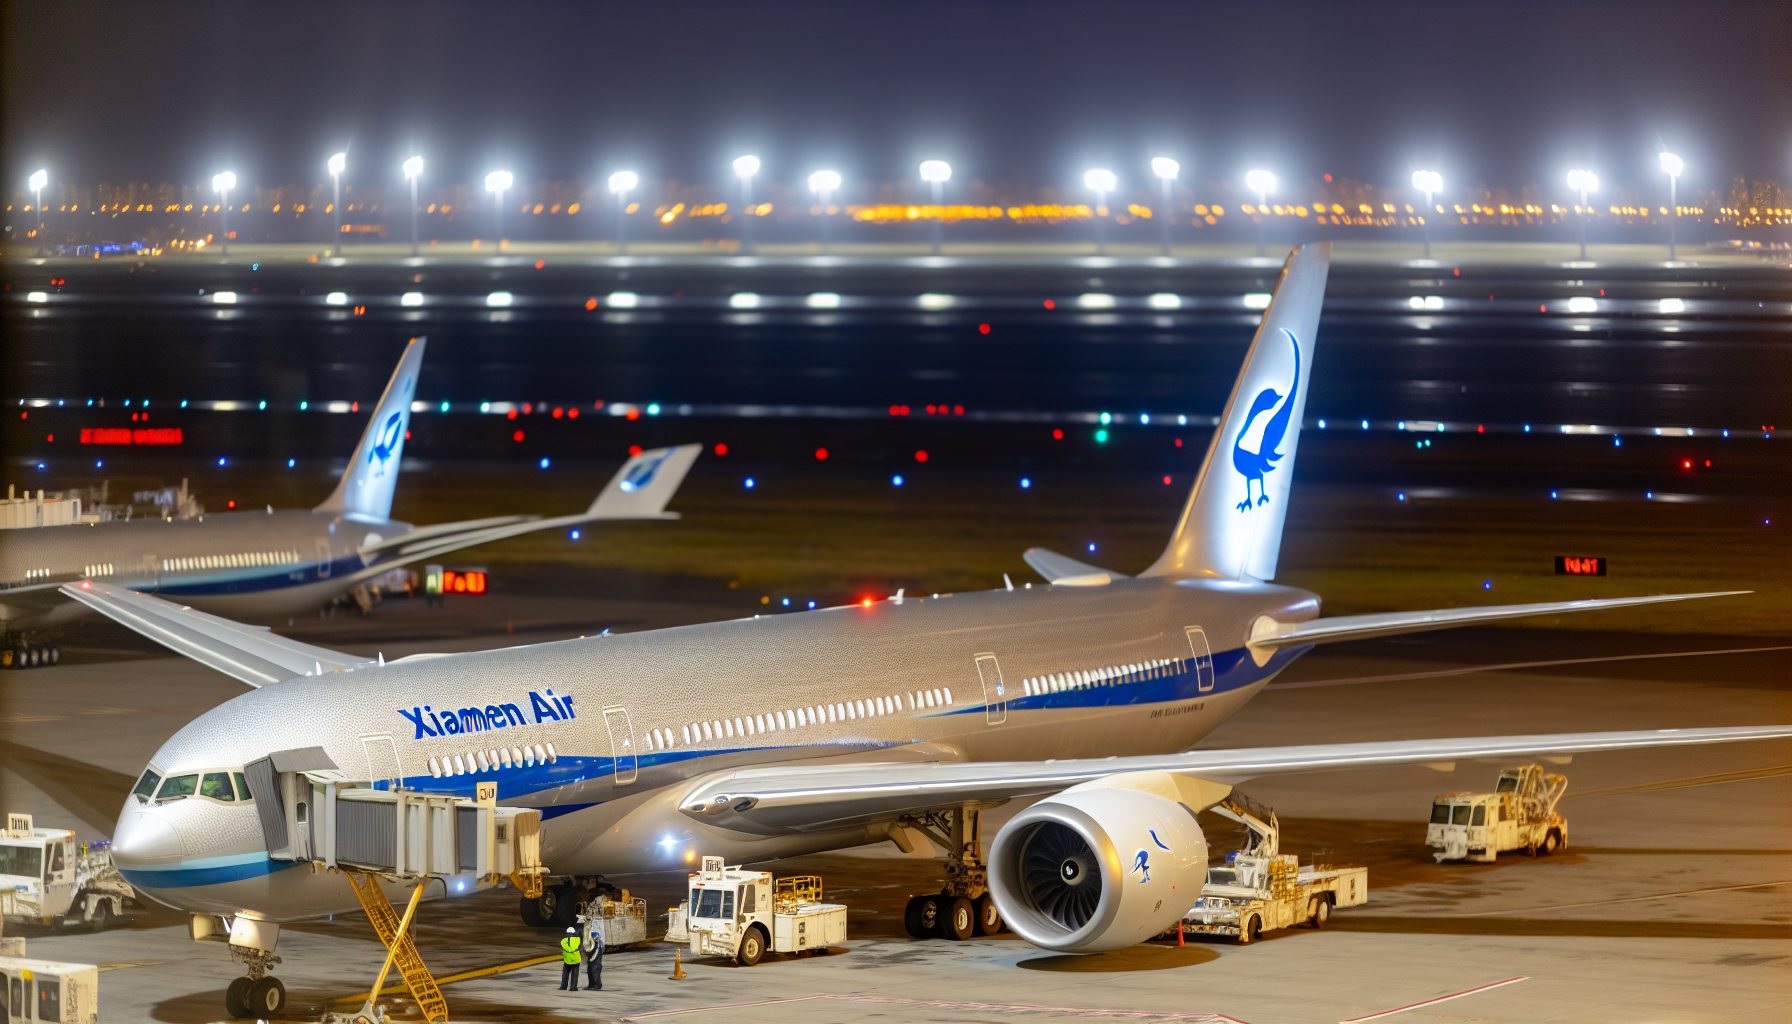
<point x="1060" y="569"/>
<point x="366" y="488"/>
<point x="644" y="484"/>
<point x="1232" y="525"/>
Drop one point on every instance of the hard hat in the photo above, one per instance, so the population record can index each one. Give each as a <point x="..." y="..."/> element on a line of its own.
<point x="572" y="931"/>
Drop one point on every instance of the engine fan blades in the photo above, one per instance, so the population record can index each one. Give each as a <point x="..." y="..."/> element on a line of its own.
<point x="1061" y="874"/>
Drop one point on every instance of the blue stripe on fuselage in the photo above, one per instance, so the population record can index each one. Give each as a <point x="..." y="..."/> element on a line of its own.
<point x="210" y="871"/>
<point x="271" y="578"/>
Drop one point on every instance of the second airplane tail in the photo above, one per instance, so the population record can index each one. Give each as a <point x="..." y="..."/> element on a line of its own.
<point x="366" y="488"/>
<point x="1232" y="525"/>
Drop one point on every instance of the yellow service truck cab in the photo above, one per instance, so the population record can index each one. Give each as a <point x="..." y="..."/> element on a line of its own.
<point x="1520" y="814"/>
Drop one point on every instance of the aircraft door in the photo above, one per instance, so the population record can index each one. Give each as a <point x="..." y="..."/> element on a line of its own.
<point x="995" y="697"/>
<point x="1203" y="656"/>
<point x="382" y="759"/>
<point x="323" y="559"/>
<point x="622" y="744"/>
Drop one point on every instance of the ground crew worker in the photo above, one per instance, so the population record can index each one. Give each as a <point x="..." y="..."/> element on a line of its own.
<point x="569" y="960"/>
<point x="594" y="957"/>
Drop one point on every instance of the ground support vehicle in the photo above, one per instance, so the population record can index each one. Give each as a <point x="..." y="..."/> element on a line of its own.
<point x="44" y="990"/>
<point x="48" y="878"/>
<point x="1261" y="889"/>
<point x="619" y="920"/>
<point x="743" y="915"/>
<point x="1520" y="814"/>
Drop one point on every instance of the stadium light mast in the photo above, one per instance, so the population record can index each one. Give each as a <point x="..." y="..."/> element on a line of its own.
<point x="622" y="183"/>
<point x="413" y="170"/>
<point x="338" y="163"/>
<point x="745" y="167"/>
<point x="222" y="184"/>
<point x="1101" y="183"/>
<point x="937" y="173"/>
<point x="1166" y="170"/>
<point x="498" y="183"/>
<point x="824" y="183"/>
<point x="37" y="181"/>
<point x="1263" y="183"/>
<point x="1583" y="182"/>
<point x="1430" y="183"/>
<point x="1673" y="166"/>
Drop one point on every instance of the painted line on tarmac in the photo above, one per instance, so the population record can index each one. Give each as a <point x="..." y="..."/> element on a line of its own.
<point x="1434" y="1002"/>
<point x="1472" y="669"/>
<point x="1691" y="782"/>
<point x="1626" y="899"/>
<point x="1073" y="1011"/>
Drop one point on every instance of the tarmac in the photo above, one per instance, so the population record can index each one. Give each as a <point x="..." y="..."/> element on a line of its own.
<point x="1673" y="901"/>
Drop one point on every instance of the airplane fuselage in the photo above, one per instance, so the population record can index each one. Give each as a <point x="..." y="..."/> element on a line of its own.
<point x="605" y="734"/>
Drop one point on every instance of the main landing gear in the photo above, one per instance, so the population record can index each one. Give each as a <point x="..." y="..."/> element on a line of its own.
<point x="259" y="993"/>
<point x="963" y="907"/>
<point x="557" y="906"/>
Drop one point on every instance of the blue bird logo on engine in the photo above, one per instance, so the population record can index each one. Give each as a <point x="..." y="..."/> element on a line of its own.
<point x="1253" y="464"/>
<point x="1141" y="863"/>
<point x="642" y="475"/>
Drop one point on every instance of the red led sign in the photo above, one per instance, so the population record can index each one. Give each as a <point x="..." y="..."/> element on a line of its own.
<point x="463" y="582"/>
<point x="125" y="435"/>
<point x="1571" y="565"/>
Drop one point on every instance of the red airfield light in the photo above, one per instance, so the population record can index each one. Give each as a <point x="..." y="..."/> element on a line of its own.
<point x="511" y="415"/>
<point x="721" y="449"/>
<point x="958" y="410"/>
<point x="559" y="412"/>
<point x="634" y="450"/>
<point x="518" y="436"/>
<point x="1179" y="442"/>
<point x="1166" y="481"/>
<point x="1049" y="304"/>
<point x="1057" y="434"/>
<point x="822" y="454"/>
<point x="590" y="303"/>
<point x="982" y="328"/>
<point x="572" y="413"/>
<point x="540" y="263"/>
<point x="921" y="456"/>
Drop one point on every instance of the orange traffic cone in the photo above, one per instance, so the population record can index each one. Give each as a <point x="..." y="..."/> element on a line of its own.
<point x="1179" y="932"/>
<point x="677" y="964"/>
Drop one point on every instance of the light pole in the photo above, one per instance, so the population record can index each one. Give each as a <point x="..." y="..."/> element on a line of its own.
<point x="37" y="182"/>
<point x="746" y="167"/>
<point x="822" y="183"/>
<point x="497" y="183"/>
<point x="1583" y="182"/>
<point x="1262" y="183"/>
<point x="937" y="172"/>
<point x="413" y="169"/>
<point x="1673" y="166"/>
<point x="1430" y="183"/>
<point x="622" y="183"/>
<point x="1166" y="170"/>
<point x="338" y="164"/>
<point x="1101" y="183"/>
<point x="222" y="184"/>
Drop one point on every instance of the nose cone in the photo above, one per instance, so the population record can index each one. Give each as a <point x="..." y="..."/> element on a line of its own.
<point x="143" y="841"/>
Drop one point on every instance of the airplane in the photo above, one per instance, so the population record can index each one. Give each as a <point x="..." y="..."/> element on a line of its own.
<point x="782" y="735"/>
<point x="264" y="567"/>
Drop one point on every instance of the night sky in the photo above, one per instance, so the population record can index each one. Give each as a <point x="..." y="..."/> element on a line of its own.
<point x="1501" y="94"/>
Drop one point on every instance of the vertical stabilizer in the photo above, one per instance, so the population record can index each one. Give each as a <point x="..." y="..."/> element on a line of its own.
<point x="366" y="489"/>
<point x="1232" y="524"/>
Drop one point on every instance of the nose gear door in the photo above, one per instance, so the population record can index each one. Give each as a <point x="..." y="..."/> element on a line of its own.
<point x="622" y="744"/>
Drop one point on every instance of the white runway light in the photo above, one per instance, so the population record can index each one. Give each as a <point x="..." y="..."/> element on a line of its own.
<point x="1583" y="304"/>
<point x="1095" y="300"/>
<point x="935" y="301"/>
<point x="498" y="299"/>
<point x="1256" y="300"/>
<point x="224" y="298"/>
<point x="1673" y="305"/>
<point x="622" y="300"/>
<point x="37" y="297"/>
<point x="824" y="300"/>
<point x="744" y="300"/>
<point x="1164" y="300"/>
<point x="411" y="299"/>
<point x="336" y="299"/>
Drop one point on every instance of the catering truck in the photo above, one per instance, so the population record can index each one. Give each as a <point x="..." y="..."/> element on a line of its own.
<point x="48" y="878"/>
<point x="1520" y="814"/>
<point x="744" y="915"/>
<point x="1261" y="889"/>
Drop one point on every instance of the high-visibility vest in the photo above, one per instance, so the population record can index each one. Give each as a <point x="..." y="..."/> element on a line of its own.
<point x="569" y="949"/>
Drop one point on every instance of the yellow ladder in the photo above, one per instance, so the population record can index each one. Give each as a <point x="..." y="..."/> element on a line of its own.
<point x="395" y="936"/>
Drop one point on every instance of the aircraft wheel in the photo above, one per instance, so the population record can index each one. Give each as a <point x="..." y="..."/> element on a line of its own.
<point x="959" y="922"/>
<point x="922" y="915"/>
<point x="530" y="908"/>
<point x="752" y="947"/>
<point x="266" y="996"/>
<point x="989" y="919"/>
<point x="236" y="998"/>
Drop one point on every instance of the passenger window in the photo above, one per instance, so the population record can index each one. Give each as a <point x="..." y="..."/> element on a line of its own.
<point x="242" y="788"/>
<point x="179" y="785"/>
<point x="1480" y="815"/>
<point x="216" y="785"/>
<point x="1459" y="815"/>
<point x="146" y="786"/>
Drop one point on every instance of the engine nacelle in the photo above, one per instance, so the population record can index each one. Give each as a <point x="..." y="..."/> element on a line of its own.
<point x="1105" y="864"/>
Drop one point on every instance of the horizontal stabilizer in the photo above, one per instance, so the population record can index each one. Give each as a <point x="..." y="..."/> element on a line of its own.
<point x="644" y="484"/>
<point x="1057" y="568"/>
<point x="796" y="797"/>
<point x="250" y="654"/>
<point x="1268" y="633"/>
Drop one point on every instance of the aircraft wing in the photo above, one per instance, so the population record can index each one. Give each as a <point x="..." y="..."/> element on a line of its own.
<point x="783" y="800"/>
<point x="1061" y="569"/>
<point x="1267" y="632"/>
<point x="251" y="654"/>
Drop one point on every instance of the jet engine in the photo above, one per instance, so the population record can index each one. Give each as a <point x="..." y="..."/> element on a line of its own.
<point x="1105" y="864"/>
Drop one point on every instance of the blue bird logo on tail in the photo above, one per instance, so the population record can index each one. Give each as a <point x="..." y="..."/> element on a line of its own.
<point x="1252" y="465"/>
<point x="386" y="443"/>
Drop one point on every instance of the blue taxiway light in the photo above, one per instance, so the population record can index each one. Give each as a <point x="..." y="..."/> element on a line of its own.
<point x="811" y="604"/>
<point x="1617" y="442"/>
<point x="544" y="463"/>
<point x="896" y="480"/>
<point x="290" y="463"/>
<point x="749" y="483"/>
<point x="1402" y="495"/>
<point x="1486" y="584"/>
<point x="1552" y="495"/>
<point x="1026" y="482"/>
<point x="220" y="461"/>
<point x="1365" y="424"/>
<point x="575" y="535"/>
<point x="1091" y="546"/>
<point x="787" y="602"/>
<point x="1321" y="424"/>
<point x="99" y="464"/>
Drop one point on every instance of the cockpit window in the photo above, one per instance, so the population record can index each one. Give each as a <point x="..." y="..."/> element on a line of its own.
<point x="216" y="785"/>
<point x="146" y="786"/>
<point x="179" y="785"/>
<point x="242" y="788"/>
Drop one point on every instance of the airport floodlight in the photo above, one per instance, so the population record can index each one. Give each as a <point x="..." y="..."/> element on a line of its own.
<point x="1583" y="182"/>
<point x="936" y="171"/>
<point x="824" y="183"/>
<point x="1430" y="183"/>
<point x="498" y="183"/>
<point x="37" y="181"/>
<point x="413" y="169"/>
<point x="1262" y="183"/>
<point x="746" y="166"/>
<point x="1673" y="167"/>
<point x="622" y="183"/>
<point x="1101" y="183"/>
<point x="222" y="184"/>
<point x="1166" y="170"/>
<point x="338" y="163"/>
